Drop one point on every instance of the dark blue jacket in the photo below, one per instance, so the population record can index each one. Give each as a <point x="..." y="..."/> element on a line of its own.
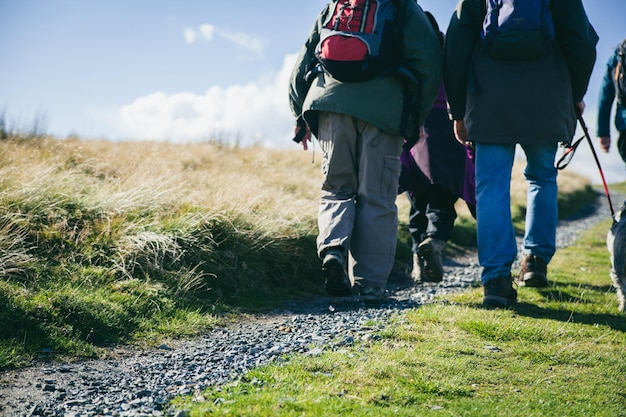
<point x="606" y="99"/>
<point x="526" y="102"/>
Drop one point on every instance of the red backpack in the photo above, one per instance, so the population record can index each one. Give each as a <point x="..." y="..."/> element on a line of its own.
<point x="359" y="40"/>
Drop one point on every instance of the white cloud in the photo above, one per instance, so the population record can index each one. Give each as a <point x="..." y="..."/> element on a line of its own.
<point x="244" y="40"/>
<point x="207" y="32"/>
<point x="190" y="35"/>
<point x="257" y="112"/>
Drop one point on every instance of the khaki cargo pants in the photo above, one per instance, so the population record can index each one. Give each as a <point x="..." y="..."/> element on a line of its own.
<point x="361" y="167"/>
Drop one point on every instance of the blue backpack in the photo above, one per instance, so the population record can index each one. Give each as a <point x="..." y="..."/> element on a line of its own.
<point x="518" y="30"/>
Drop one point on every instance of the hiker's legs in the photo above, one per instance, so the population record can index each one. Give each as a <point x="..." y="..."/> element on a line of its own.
<point x="440" y="212"/>
<point x="418" y="222"/>
<point x="541" y="201"/>
<point x="374" y="237"/>
<point x="337" y="209"/>
<point x="497" y="248"/>
<point x="431" y="214"/>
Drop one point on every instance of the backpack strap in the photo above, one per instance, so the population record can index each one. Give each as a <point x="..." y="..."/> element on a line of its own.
<point x="366" y="8"/>
<point x="411" y="87"/>
<point x="619" y="75"/>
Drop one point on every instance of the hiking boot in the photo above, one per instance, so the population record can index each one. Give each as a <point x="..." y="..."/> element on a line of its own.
<point x="499" y="292"/>
<point x="372" y="294"/>
<point x="430" y="252"/>
<point x="418" y="268"/>
<point x="534" y="272"/>
<point x="334" y="272"/>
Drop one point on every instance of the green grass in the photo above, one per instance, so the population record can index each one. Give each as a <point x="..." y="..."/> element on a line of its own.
<point x="558" y="352"/>
<point x="131" y="243"/>
<point x="92" y="275"/>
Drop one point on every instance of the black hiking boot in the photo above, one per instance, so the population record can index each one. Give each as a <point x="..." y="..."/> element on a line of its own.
<point x="334" y="272"/>
<point x="430" y="252"/>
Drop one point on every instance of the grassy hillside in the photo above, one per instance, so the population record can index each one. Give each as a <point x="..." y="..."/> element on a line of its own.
<point x="104" y="243"/>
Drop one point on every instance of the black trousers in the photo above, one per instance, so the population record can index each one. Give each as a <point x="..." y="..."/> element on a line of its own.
<point x="431" y="215"/>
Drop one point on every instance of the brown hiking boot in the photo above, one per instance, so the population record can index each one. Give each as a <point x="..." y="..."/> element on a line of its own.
<point x="499" y="292"/>
<point x="534" y="272"/>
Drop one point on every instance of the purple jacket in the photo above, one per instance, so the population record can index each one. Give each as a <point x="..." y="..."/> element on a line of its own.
<point x="439" y="159"/>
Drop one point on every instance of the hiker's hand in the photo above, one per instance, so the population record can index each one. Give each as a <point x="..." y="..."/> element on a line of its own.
<point x="580" y="108"/>
<point x="306" y="138"/>
<point x="423" y="134"/>
<point x="605" y="143"/>
<point x="460" y="132"/>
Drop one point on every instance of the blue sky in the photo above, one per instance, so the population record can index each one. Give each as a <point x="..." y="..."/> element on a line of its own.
<point x="188" y="70"/>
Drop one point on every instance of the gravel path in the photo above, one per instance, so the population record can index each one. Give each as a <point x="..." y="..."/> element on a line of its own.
<point x="141" y="383"/>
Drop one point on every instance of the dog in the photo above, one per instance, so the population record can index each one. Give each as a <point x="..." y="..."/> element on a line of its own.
<point x="616" y="243"/>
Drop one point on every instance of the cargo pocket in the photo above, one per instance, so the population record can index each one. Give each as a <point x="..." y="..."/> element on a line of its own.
<point x="391" y="176"/>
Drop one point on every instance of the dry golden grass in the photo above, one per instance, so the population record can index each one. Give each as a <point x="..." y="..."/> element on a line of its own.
<point x="270" y="185"/>
<point x="255" y="182"/>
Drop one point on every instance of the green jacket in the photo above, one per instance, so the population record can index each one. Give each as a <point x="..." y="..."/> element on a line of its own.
<point x="378" y="101"/>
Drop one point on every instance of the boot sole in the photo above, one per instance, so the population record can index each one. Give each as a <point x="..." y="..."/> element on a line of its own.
<point x="533" y="280"/>
<point x="498" y="301"/>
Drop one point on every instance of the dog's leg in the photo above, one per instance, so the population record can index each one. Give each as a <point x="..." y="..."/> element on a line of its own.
<point x="620" y="287"/>
<point x="616" y="244"/>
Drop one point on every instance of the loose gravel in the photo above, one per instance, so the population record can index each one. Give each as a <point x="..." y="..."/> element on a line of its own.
<point x="141" y="383"/>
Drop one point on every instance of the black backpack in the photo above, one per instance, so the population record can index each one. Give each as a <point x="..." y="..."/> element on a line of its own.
<point x="619" y="78"/>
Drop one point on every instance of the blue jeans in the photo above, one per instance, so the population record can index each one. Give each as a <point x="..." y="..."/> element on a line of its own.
<point x="497" y="247"/>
